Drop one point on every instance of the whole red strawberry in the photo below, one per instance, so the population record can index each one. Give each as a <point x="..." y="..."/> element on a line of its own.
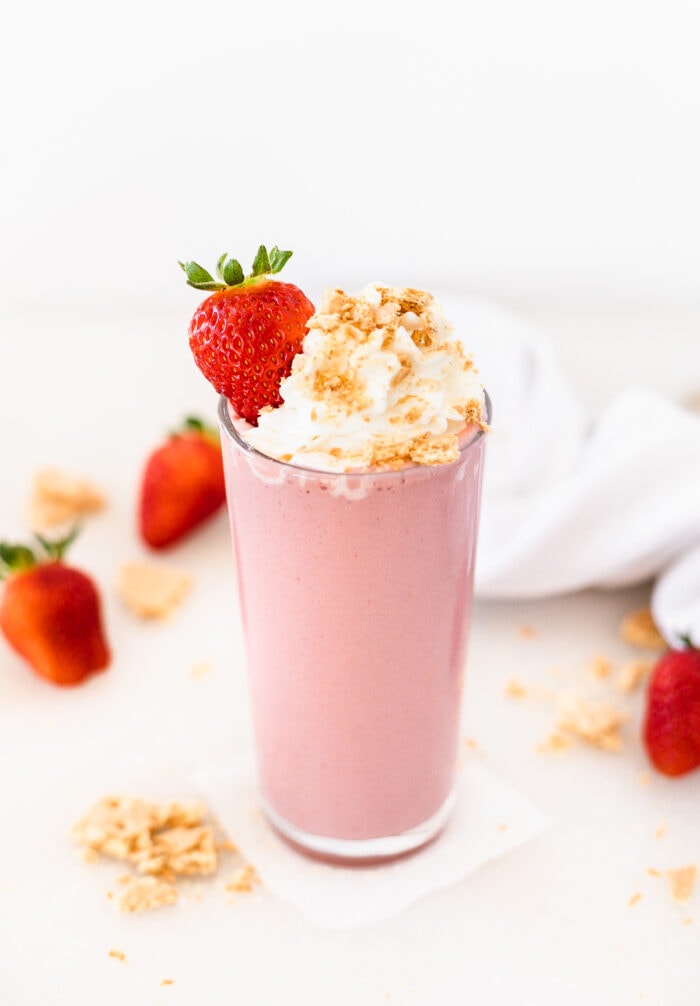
<point x="671" y="729"/>
<point x="245" y="336"/>
<point x="50" y="613"/>
<point x="182" y="484"/>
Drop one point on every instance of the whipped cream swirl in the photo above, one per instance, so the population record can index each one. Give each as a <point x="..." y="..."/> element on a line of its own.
<point x="381" y="382"/>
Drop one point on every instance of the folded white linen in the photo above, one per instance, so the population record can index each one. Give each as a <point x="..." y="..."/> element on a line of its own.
<point x="572" y="501"/>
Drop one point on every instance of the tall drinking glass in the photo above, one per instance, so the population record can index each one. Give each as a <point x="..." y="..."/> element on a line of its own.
<point x="355" y="594"/>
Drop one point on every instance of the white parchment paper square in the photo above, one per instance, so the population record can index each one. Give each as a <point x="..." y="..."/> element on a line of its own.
<point x="490" y="819"/>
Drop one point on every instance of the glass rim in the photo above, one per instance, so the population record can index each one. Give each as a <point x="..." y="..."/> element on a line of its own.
<point x="234" y="435"/>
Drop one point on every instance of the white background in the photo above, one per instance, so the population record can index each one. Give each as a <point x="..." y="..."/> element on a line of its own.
<point x="543" y="154"/>
<point x="523" y="150"/>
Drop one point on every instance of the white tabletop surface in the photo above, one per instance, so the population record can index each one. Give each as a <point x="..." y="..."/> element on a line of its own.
<point x="551" y="923"/>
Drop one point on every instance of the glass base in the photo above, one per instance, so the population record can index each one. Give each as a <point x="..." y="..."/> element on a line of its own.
<point x="361" y="851"/>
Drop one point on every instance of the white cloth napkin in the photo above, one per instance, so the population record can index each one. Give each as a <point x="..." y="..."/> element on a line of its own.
<point x="489" y="820"/>
<point x="572" y="501"/>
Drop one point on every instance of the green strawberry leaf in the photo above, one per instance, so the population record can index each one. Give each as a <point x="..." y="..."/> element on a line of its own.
<point x="55" y="550"/>
<point x="278" y="259"/>
<point x="198" y="277"/>
<point x="687" y="641"/>
<point x="261" y="262"/>
<point x="15" y="559"/>
<point x="233" y="272"/>
<point x="230" y="271"/>
<point x="220" y="265"/>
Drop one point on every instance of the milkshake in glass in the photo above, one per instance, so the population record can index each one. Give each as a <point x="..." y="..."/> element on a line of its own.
<point x="354" y="512"/>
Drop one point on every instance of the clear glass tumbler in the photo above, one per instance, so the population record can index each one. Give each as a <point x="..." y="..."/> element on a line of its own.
<point x="356" y="595"/>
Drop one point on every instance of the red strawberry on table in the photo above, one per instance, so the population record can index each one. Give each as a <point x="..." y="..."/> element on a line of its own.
<point x="182" y="484"/>
<point x="50" y="613"/>
<point x="671" y="729"/>
<point x="245" y="336"/>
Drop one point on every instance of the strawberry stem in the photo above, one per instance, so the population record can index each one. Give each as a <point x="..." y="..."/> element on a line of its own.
<point x="230" y="271"/>
<point x="19" y="558"/>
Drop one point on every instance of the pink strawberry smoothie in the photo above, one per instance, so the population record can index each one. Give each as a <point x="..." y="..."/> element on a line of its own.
<point x="355" y="593"/>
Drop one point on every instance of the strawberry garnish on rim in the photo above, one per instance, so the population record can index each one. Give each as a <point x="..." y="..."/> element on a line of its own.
<point x="246" y="334"/>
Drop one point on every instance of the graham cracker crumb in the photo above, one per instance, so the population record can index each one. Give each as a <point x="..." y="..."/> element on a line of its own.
<point x="527" y="632"/>
<point x="201" y="669"/>
<point x="146" y="893"/>
<point x="514" y="689"/>
<point x="243" y="880"/>
<point x="682" y="882"/>
<point x="639" y="629"/>
<point x="161" y="841"/>
<point x="660" y="831"/>
<point x="599" y="667"/>
<point x="595" y="723"/>
<point x="632" y="674"/>
<point x="226" y="846"/>
<point x="556" y="743"/>
<point x="89" y="855"/>
<point x="152" y="591"/>
<point x="118" y="955"/>
<point x="168" y="981"/>
<point x="58" y="498"/>
<point x="635" y="899"/>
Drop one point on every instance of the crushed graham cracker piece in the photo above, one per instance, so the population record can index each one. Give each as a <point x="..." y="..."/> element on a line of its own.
<point x="596" y="723"/>
<point x="527" y="632"/>
<point x="58" y="498"/>
<point x="639" y="629"/>
<point x="632" y="674"/>
<point x="146" y="893"/>
<point x="168" y="981"/>
<point x="118" y="955"/>
<point x="89" y="855"/>
<point x="182" y="851"/>
<point x="152" y="591"/>
<point x="599" y="667"/>
<point x="660" y="831"/>
<point x="682" y="882"/>
<point x="163" y="840"/>
<point x="556" y="743"/>
<point x="653" y="872"/>
<point x="201" y="669"/>
<point x="514" y="689"/>
<point x="635" y="899"/>
<point x="243" y="880"/>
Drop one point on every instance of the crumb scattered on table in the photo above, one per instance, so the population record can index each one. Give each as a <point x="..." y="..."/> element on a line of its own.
<point x="632" y="675"/>
<point x="635" y="899"/>
<point x="556" y="743"/>
<point x="168" y="981"/>
<point x="682" y="882"/>
<point x="150" y="590"/>
<point x="243" y="880"/>
<point x="201" y="669"/>
<point x="118" y="955"/>
<point x="527" y="631"/>
<point x="599" y="667"/>
<point x="639" y="629"/>
<point x="660" y="831"/>
<point x="515" y="689"/>
<point x="146" y="893"/>
<point x="596" y="723"/>
<point x="58" y="498"/>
